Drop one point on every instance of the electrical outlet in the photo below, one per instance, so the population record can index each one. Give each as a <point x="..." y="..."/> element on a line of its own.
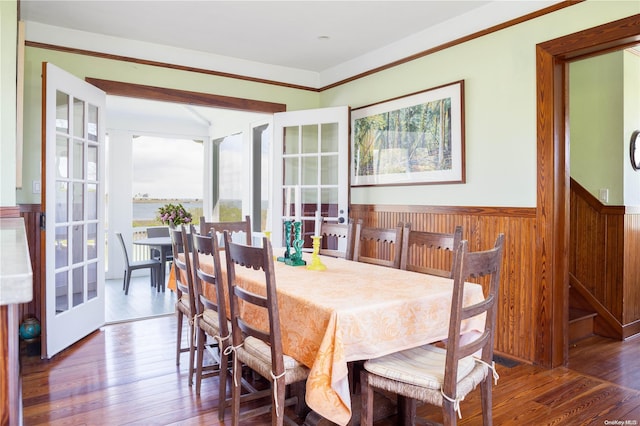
<point x="604" y="195"/>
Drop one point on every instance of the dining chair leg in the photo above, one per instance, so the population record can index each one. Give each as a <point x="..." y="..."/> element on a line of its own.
<point x="199" y="355"/>
<point x="179" y="337"/>
<point x="127" y="281"/>
<point x="406" y="410"/>
<point x="192" y="351"/>
<point x="486" y="397"/>
<point x="222" y="380"/>
<point x="124" y="280"/>
<point x="235" y="391"/>
<point x="366" y="405"/>
<point x="298" y="389"/>
<point x="277" y="410"/>
<point x="448" y="413"/>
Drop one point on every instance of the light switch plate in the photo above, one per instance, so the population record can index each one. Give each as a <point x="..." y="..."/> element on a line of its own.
<point x="604" y="195"/>
<point x="35" y="186"/>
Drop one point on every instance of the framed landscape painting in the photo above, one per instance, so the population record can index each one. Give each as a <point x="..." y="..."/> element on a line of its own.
<point x="414" y="139"/>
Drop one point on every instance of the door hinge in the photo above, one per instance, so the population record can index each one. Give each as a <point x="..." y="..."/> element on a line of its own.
<point x="43" y="221"/>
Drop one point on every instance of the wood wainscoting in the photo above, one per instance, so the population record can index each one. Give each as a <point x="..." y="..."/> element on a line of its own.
<point x="31" y="216"/>
<point x="516" y="331"/>
<point x="604" y="261"/>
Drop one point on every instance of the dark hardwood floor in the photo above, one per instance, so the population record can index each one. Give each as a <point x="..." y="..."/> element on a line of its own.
<point x="126" y="374"/>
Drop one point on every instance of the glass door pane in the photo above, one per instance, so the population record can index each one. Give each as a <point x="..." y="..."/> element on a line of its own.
<point x="74" y="234"/>
<point x="311" y="165"/>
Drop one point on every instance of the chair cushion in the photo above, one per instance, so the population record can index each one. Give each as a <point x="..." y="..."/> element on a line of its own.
<point x="183" y="305"/>
<point x="210" y="317"/>
<point x="422" y="366"/>
<point x="260" y="350"/>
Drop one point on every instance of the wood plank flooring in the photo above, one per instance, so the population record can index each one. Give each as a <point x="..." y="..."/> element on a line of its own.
<point x="126" y="374"/>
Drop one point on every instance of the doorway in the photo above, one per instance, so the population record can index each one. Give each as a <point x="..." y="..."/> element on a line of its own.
<point x="552" y="59"/>
<point x="171" y="121"/>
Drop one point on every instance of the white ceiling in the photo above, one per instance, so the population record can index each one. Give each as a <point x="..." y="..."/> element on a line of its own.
<point x="308" y="43"/>
<point x="312" y="43"/>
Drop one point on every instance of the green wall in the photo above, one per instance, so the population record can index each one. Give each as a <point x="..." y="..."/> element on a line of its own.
<point x="499" y="71"/>
<point x="604" y="111"/>
<point x="500" y="103"/>
<point x="596" y="116"/>
<point x="8" y="41"/>
<point x="86" y="66"/>
<point x="631" y="122"/>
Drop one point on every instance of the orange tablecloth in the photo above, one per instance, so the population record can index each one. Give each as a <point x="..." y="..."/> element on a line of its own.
<point x="353" y="311"/>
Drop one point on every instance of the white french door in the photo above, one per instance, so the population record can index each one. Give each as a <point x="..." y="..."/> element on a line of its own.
<point x="73" y="159"/>
<point x="310" y="169"/>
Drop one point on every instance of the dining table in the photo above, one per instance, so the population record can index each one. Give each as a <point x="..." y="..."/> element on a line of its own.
<point x="351" y="311"/>
<point x="161" y="244"/>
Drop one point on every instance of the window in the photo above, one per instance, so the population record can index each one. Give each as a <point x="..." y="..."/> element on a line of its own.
<point x="230" y="164"/>
<point x="166" y="171"/>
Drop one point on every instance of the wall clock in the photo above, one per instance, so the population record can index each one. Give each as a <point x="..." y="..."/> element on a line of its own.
<point x="634" y="150"/>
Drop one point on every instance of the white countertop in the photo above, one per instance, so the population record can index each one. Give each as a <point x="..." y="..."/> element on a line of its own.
<point x="16" y="282"/>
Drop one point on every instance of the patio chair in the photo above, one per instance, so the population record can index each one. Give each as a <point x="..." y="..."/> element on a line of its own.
<point x="152" y="264"/>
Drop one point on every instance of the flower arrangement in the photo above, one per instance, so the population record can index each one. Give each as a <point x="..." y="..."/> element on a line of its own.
<point x="174" y="213"/>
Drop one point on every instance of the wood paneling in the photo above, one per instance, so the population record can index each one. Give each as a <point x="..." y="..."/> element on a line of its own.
<point x="31" y="215"/>
<point x="604" y="260"/>
<point x="163" y="94"/>
<point x="552" y="206"/>
<point x="515" y="333"/>
<point x="631" y="256"/>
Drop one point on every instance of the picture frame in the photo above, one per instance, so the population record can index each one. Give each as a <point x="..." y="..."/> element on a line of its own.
<point x="634" y="150"/>
<point x="417" y="139"/>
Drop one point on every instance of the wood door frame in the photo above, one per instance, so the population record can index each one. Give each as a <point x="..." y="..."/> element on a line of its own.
<point x="551" y="290"/>
<point x="164" y="94"/>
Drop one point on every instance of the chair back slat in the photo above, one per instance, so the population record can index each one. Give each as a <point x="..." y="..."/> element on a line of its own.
<point x="124" y="249"/>
<point x="180" y="239"/>
<point x="331" y="234"/>
<point x="218" y="228"/>
<point x="378" y="246"/>
<point x="430" y="252"/>
<point x="158" y="231"/>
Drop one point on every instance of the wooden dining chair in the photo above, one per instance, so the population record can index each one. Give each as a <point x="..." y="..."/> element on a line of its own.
<point x="438" y="376"/>
<point x="429" y="252"/>
<point x="186" y="304"/>
<point x="258" y="349"/>
<point x="378" y="246"/>
<point x="232" y="227"/>
<point x="211" y="317"/>
<point x="129" y="266"/>
<point x="332" y="234"/>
